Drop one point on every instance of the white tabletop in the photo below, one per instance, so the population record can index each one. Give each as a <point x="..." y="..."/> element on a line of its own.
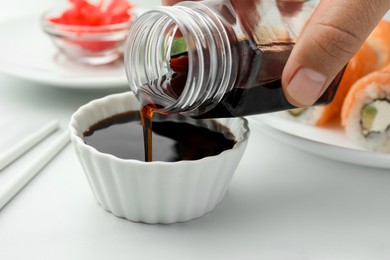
<point x="283" y="203"/>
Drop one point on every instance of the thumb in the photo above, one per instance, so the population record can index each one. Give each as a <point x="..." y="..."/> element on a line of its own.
<point x="335" y="31"/>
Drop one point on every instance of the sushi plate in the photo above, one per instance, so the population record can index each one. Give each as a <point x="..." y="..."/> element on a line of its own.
<point x="329" y="142"/>
<point x="27" y="53"/>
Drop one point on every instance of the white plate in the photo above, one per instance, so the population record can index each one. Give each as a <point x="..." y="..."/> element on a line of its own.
<point x="26" y="52"/>
<point x="331" y="142"/>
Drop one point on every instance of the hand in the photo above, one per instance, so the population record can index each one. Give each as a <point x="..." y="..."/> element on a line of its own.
<point x="335" y="31"/>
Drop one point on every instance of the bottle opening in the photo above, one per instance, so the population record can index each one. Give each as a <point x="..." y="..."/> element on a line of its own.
<point x="154" y="61"/>
<point x="177" y="58"/>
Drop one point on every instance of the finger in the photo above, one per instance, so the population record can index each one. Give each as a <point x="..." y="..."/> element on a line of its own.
<point x="335" y="31"/>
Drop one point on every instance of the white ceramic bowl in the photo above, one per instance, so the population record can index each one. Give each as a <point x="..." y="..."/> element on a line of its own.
<point x="154" y="192"/>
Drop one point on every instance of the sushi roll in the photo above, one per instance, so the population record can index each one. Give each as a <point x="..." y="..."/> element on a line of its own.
<point x="365" y="113"/>
<point x="379" y="40"/>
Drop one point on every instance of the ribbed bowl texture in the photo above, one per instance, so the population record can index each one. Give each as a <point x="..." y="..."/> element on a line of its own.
<point x="154" y="192"/>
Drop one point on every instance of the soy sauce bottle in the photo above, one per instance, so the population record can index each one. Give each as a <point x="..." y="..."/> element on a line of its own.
<point x="220" y="58"/>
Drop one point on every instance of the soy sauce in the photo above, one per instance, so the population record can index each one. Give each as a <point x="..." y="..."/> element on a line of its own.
<point x="257" y="89"/>
<point x="122" y="136"/>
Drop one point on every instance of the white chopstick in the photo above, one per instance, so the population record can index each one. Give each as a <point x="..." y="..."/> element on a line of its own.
<point x="17" y="183"/>
<point x="27" y="143"/>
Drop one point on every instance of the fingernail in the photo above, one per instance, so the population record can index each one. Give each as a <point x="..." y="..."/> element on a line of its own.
<point x="306" y="86"/>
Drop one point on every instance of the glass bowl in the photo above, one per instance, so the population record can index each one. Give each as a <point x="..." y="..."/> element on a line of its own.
<point x="94" y="45"/>
<point x="154" y="192"/>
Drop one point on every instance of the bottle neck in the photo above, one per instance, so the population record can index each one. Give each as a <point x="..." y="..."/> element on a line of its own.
<point x="149" y="61"/>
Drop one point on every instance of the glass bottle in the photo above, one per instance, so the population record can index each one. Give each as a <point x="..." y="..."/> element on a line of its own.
<point x="219" y="58"/>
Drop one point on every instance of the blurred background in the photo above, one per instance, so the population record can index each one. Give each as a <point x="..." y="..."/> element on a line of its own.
<point x="9" y="9"/>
